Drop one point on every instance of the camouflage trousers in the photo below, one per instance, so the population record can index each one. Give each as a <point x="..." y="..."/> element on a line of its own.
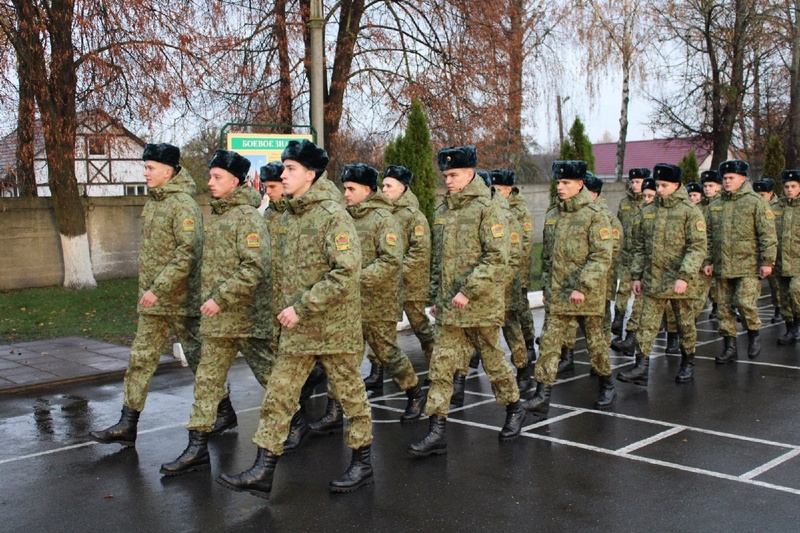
<point x="151" y="333"/>
<point x="624" y="289"/>
<point x="742" y="294"/>
<point x="382" y="339"/>
<point x="420" y="325"/>
<point x="209" y="380"/>
<point x="280" y="402"/>
<point x="570" y="342"/>
<point x="512" y="332"/>
<point x="449" y="352"/>
<point x="635" y="320"/>
<point x="776" y="291"/>
<point x="703" y="289"/>
<point x="561" y="330"/>
<point x="636" y="314"/>
<point x="522" y="308"/>
<point x="790" y="298"/>
<point x="652" y="313"/>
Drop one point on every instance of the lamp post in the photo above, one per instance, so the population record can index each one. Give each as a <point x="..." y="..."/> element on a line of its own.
<point x="316" y="24"/>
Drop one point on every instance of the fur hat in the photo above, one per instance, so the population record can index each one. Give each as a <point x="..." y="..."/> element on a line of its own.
<point x="163" y="153"/>
<point x="485" y="176"/>
<point x="400" y="173"/>
<point x="457" y="157"/>
<point x="361" y="173"/>
<point x="764" y="185"/>
<point x="234" y="163"/>
<point x="571" y="170"/>
<point x="307" y="154"/>
<point x="638" y="173"/>
<point x="694" y="186"/>
<point x="271" y="172"/>
<point x="790" y="175"/>
<point x="503" y="176"/>
<point x="593" y="183"/>
<point x="649" y="183"/>
<point x="667" y="172"/>
<point x="712" y="176"/>
<point x="733" y="166"/>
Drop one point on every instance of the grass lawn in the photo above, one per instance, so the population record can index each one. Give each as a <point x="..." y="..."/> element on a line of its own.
<point x="107" y="313"/>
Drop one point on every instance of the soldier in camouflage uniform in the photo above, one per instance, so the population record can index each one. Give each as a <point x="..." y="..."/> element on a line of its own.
<point x="321" y="317"/>
<point x="765" y="188"/>
<point x="666" y="264"/>
<point x="712" y="185"/>
<point x="236" y="290"/>
<point x="742" y="247"/>
<point x="576" y="259"/>
<point x="416" y="263"/>
<point x="472" y="253"/>
<point x="788" y="264"/>
<point x="169" y="282"/>
<point x="695" y="191"/>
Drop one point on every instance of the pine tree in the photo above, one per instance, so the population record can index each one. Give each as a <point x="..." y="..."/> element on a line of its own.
<point x="690" y="168"/>
<point x="774" y="162"/>
<point x="580" y="147"/>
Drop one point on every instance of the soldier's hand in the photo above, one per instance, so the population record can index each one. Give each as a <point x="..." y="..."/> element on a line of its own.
<point x="637" y="287"/>
<point x="433" y="311"/>
<point x="460" y="301"/>
<point x="766" y="271"/>
<point x="288" y="317"/>
<point x="210" y="308"/>
<point x="577" y="297"/>
<point x="680" y="286"/>
<point x="708" y="270"/>
<point x="148" y="299"/>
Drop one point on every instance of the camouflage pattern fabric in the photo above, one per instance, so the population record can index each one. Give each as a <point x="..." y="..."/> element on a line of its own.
<point x="628" y="212"/>
<point x="420" y="325"/>
<point x="416" y="247"/>
<point x="560" y="331"/>
<point x="790" y="298"/>
<point x="787" y="218"/>
<point x="382" y="338"/>
<point x="272" y="217"/>
<point x="742" y="294"/>
<point x="652" y="312"/>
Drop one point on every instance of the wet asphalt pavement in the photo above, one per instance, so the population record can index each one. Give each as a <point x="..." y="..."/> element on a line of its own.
<point x="719" y="454"/>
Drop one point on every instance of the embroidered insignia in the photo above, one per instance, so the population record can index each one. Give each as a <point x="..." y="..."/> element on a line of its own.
<point x="514" y="237"/>
<point x="419" y="231"/>
<point x="253" y="240"/>
<point x="188" y="224"/>
<point x="391" y="239"/>
<point x="605" y="234"/>
<point x="498" y="231"/>
<point x="342" y="242"/>
<point x="701" y="226"/>
<point x="527" y="226"/>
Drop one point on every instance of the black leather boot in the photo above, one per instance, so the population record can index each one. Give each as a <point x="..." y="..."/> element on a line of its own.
<point x="626" y="347"/>
<point x="226" y="417"/>
<point x="475" y="359"/>
<point x="416" y="403"/>
<point x="797" y="330"/>
<point x="459" y="382"/>
<point x="616" y="325"/>
<point x="524" y="381"/>
<point x="686" y="373"/>
<point x="316" y="377"/>
<point x="515" y="416"/>
<point x="637" y="375"/>
<point x="776" y="316"/>
<point x="194" y="457"/>
<point x="753" y="343"/>
<point x="298" y="430"/>
<point x="539" y="405"/>
<point x="435" y="442"/>
<point x="730" y="353"/>
<point x="607" y="393"/>
<point x="673" y="344"/>
<point x="123" y="432"/>
<point x="788" y="337"/>
<point x="713" y="315"/>
<point x="567" y="361"/>
<point x="331" y="422"/>
<point x="357" y="474"/>
<point x="374" y="382"/>
<point x="258" y="480"/>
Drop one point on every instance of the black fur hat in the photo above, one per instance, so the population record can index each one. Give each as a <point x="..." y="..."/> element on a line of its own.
<point x="485" y="176"/>
<point x="163" y="153"/>
<point x="712" y="176"/>
<point x="572" y="170"/>
<point x="764" y="185"/>
<point x="457" y="157"/>
<point x="400" y="173"/>
<point x="638" y="173"/>
<point x="234" y="163"/>
<point x="503" y="176"/>
<point x="790" y="175"/>
<point x="307" y="154"/>
<point x="649" y="183"/>
<point x="667" y="172"/>
<point x="271" y="172"/>
<point x="361" y="173"/>
<point x="694" y="186"/>
<point x="733" y="166"/>
<point x="593" y="183"/>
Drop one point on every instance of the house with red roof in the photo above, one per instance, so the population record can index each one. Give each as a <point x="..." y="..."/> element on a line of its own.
<point x="647" y="154"/>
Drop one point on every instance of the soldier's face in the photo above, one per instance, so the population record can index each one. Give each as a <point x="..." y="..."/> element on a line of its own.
<point x="666" y="188"/>
<point x="733" y="182"/>
<point x="791" y="189"/>
<point x="711" y="189"/>
<point x="648" y="195"/>
<point x="157" y="174"/>
<point x="458" y="178"/>
<point x="636" y="185"/>
<point x="296" y="178"/>
<point x="766" y="195"/>
<point x="568" y="188"/>
<point x="221" y="182"/>
<point x="355" y="193"/>
<point x="274" y="190"/>
<point x="695" y="197"/>
<point x="393" y="188"/>
<point x="505" y="190"/>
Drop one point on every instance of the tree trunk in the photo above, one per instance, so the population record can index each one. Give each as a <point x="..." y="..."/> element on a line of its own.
<point x="26" y="119"/>
<point x="623" y="118"/>
<point x="516" y="58"/>
<point x="284" y="67"/>
<point x="793" y="142"/>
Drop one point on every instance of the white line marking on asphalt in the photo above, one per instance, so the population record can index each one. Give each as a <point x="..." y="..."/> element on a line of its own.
<point x="770" y="465"/>
<point x="648" y="441"/>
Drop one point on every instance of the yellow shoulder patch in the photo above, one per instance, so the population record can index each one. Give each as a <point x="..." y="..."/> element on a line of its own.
<point x="253" y="240"/>
<point x="188" y="224"/>
<point x="282" y="230"/>
<point x="701" y="225"/>
<point x="615" y="233"/>
<point x="625" y="208"/>
<point x="419" y="231"/>
<point x="391" y="239"/>
<point x="514" y="237"/>
<point x="498" y="231"/>
<point x="777" y="213"/>
<point x="527" y="226"/>
<point x="342" y="242"/>
<point x="650" y="215"/>
<point x="716" y="208"/>
<point x="438" y="221"/>
<point x="605" y="234"/>
<point x="769" y="215"/>
<point x="550" y="222"/>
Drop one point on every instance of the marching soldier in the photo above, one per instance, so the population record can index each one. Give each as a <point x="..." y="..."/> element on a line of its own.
<point x="695" y="191"/>
<point x="712" y="185"/>
<point x="765" y="187"/>
<point x="788" y="265"/>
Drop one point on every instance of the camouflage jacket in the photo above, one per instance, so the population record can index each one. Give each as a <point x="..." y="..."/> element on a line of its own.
<point x="788" y="228"/>
<point x="514" y="243"/>
<point x="741" y="233"/>
<point x="381" y="259"/>
<point x="617" y="235"/>
<point x="416" y="247"/>
<point x="578" y="245"/>
<point x="629" y="209"/>
<point x="171" y="250"/>
<point x="272" y="216"/>
<point x="320" y="266"/>
<point x="520" y="210"/>
<point x="236" y="268"/>
<point x="470" y="256"/>
<point x="672" y="246"/>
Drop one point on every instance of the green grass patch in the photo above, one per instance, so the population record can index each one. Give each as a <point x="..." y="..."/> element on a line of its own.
<point x="107" y="313"/>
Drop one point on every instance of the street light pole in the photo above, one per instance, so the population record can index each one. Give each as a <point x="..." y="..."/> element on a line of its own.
<point x="316" y="24"/>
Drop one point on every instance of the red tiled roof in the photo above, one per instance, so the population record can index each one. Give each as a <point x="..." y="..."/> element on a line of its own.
<point x="647" y="154"/>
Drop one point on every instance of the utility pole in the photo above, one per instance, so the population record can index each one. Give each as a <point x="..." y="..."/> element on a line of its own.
<point x="559" y="102"/>
<point x="316" y="24"/>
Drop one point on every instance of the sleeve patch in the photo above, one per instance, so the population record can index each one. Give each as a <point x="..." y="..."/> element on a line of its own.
<point x="527" y="227"/>
<point x="188" y="224"/>
<point x="419" y="231"/>
<point x="282" y="230"/>
<point x="342" y="242"/>
<point x="770" y="215"/>
<point x="650" y="215"/>
<point x="550" y="222"/>
<point x="498" y="231"/>
<point x="253" y="240"/>
<point x="391" y="239"/>
<point x="716" y="208"/>
<point x="701" y="226"/>
<point x="625" y="208"/>
<point x="438" y="221"/>
<point x="615" y="233"/>
<point x="605" y="234"/>
<point x="514" y="237"/>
